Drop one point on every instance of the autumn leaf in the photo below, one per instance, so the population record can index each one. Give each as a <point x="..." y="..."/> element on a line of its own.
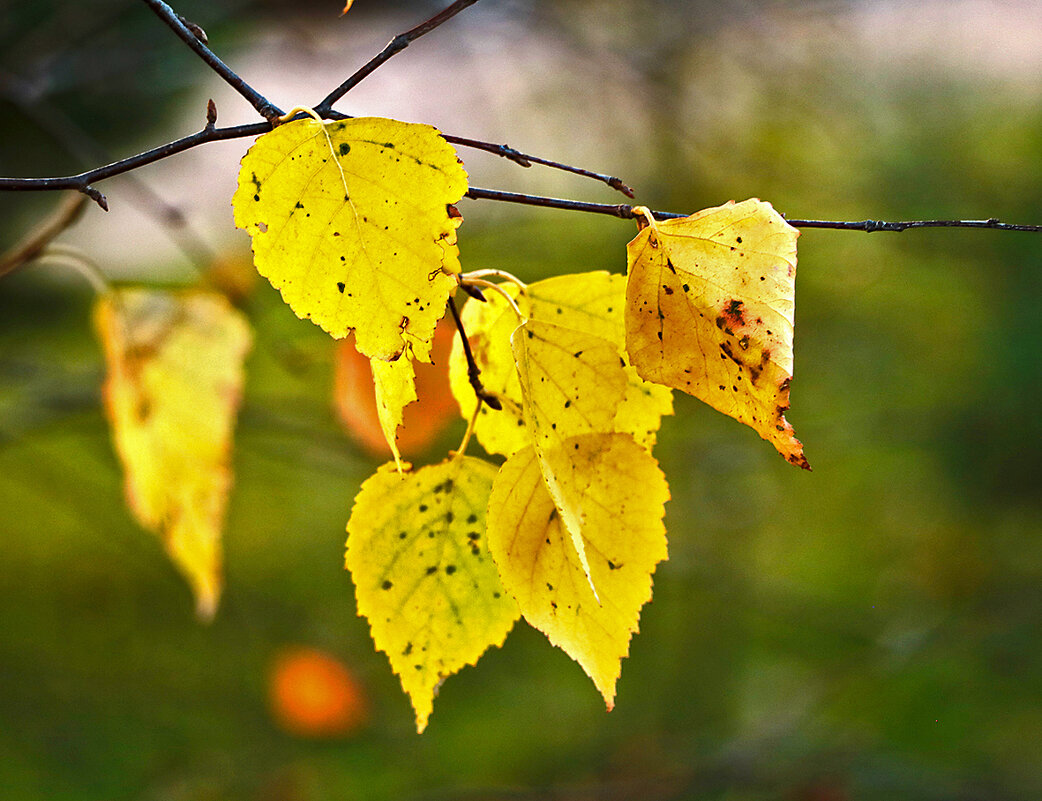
<point x="350" y="221"/>
<point x="422" y="421"/>
<point x="624" y="539"/>
<point x="417" y="552"/>
<point x="395" y="384"/>
<point x="173" y="387"/>
<point x="572" y="383"/>
<point x="595" y="303"/>
<point x="489" y="326"/>
<point x="347" y="7"/>
<point x="592" y="303"/>
<point x="710" y="301"/>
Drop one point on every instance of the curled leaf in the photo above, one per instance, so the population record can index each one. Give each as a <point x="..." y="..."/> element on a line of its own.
<point x="710" y="301"/>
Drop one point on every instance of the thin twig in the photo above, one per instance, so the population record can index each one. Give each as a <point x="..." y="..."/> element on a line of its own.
<point x="83" y="181"/>
<point x="395" y="46"/>
<point x="174" y="20"/>
<point x="68" y="211"/>
<point x="67" y="133"/>
<point x="473" y="371"/>
<point x="871" y="226"/>
<point x="626" y="211"/>
<point x="526" y="160"/>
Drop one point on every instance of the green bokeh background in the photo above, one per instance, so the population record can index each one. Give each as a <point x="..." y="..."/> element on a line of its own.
<point x="869" y="630"/>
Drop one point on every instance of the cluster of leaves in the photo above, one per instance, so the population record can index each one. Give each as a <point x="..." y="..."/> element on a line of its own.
<point x="567" y="379"/>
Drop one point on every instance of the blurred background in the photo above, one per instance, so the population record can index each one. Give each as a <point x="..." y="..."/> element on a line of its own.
<point x="869" y="630"/>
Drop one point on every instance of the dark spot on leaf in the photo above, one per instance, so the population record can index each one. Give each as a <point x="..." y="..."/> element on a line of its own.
<point x="738" y="240"/>
<point x="423" y="507"/>
<point x="450" y="569"/>
<point x="432" y="570"/>
<point x="408" y="649"/>
<point x="449" y="517"/>
<point x="340" y="286"/>
<point x="386" y="585"/>
<point x="345" y="148"/>
<point x="472" y="518"/>
<point x="550" y="586"/>
<point x="667" y="289"/>
<point x="473" y="535"/>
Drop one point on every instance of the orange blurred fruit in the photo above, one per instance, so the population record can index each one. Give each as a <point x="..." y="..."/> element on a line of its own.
<point x="314" y="695"/>
<point x="355" y="398"/>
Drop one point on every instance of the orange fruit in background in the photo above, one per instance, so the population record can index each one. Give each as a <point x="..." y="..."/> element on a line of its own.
<point x="313" y="694"/>
<point x="355" y="397"/>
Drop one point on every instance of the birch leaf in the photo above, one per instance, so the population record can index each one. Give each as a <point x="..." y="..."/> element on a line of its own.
<point x="572" y="383"/>
<point x="595" y="303"/>
<point x="709" y="310"/>
<point x="395" y="384"/>
<point x="175" y="376"/>
<point x="489" y="326"/>
<point x="624" y="538"/>
<point x="592" y="303"/>
<point x="416" y="549"/>
<point x="350" y="220"/>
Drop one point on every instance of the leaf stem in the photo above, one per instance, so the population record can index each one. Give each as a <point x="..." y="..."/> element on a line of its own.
<point x="473" y="371"/>
<point x="497" y="288"/>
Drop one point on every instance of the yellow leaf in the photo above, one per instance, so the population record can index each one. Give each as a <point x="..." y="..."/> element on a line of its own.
<point x="416" y="549"/>
<point x="347" y="7"/>
<point x="710" y="303"/>
<point x="595" y="303"/>
<point x="624" y="538"/>
<point x="592" y="303"/>
<point x="489" y="326"/>
<point x="174" y="383"/>
<point x="572" y="383"/>
<point x="395" y="389"/>
<point x="350" y="221"/>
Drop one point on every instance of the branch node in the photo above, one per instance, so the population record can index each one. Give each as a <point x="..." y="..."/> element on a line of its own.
<point x="96" y="196"/>
<point x="196" y="30"/>
<point x="211" y="114"/>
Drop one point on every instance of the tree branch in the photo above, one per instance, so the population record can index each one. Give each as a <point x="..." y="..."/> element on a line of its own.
<point x="192" y="38"/>
<point x="33" y="244"/>
<point x="84" y="180"/>
<point x="395" y="46"/>
<point x="625" y="211"/>
<point x="526" y="160"/>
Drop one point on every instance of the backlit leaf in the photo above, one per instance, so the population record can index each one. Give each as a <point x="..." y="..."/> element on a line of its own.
<point x="417" y="552"/>
<point x="175" y="376"/>
<point x="350" y="221"/>
<point x="710" y="305"/>
<point x="395" y="384"/>
<point x="489" y="326"/>
<point x="592" y="303"/>
<point x="595" y="303"/>
<point x="572" y="383"/>
<point x="624" y="539"/>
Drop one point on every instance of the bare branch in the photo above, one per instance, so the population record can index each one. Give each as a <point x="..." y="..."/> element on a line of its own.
<point x="82" y="182"/>
<point x="526" y="160"/>
<point x="191" y="37"/>
<point x="625" y="211"/>
<point x="395" y="46"/>
<point x="33" y="244"/>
